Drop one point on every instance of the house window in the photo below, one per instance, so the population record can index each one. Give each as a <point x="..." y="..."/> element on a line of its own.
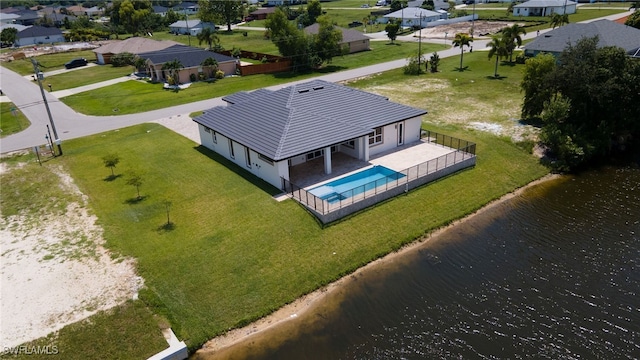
<point x="265" y="159"/>
<point x="214" y="137"/>
<point x="206" y="129"/>
<point x="350" y="144"/>
<point x="247" y="156"/>
<point x="375" y="137"/>
<point x="314" y="155"/>
<point x="232" y="153"/>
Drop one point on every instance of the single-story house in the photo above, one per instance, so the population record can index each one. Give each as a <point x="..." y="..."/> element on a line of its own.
<point x="8" y="18"/>
<point x="39" y="35"/>
<point x="77" y="10"/>
<point x="18" y="27"/>
<point x="26" y="17"/>
<point x="544" y="8"/>
<point x="134" y="45"/>
<point x="188" y="8"/>
<point x="269" y="132"/>
<point x="353" y="40"/>
<point x="191" y="59"/>
<point x="609" y="33"/>
<point x="190" y="27"/>
<point x="438" y="4"/>
<point x="282" y="2"/>
<point x="160" y="10"/>
<point x="414" y="16"/>
<point x="262" y="13"/>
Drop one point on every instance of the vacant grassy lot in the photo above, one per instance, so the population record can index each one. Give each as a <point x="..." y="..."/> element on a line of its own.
<point x="580" y="15"/>
<point x="94" y="74"/>
<point x="48" y="62"/>
<point x="128" y="331"/>
<point x="254" y="41"/>
<point x="10" y="123"/>
<point x="133" y="97"/>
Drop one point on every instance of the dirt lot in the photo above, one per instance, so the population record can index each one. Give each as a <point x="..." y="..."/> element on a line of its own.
<point x="480" y="29"/>
<point x="55" y="271"/>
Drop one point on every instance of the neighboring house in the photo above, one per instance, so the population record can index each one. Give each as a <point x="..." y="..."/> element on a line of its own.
<point x="353" y="40"/>
<point x="160" y="10"/>
<point x="26" y="17"/>
<point x="609" y="33"/>
<point x="134" y="45"/>
<point x="34" y="35"/>
<point x="269" y="132"/>
<point x="438" y="4"/>
<point x="262" y="13"/>
<point x="18" y="27"/>
<point x="94" y="11"/>
<point x="188" y="8"/>
<point x="191" y="59"/>
<point x="283" y="2"/>
<point x="544" y="8"/>
<point x="190" y="27"/>
<point x="8" y="18"/>
<point x="77" y="10"/>
<point x="414" y="17"/>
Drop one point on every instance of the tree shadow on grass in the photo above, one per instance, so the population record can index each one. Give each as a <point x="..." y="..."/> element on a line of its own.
<point x="112" y="177"/>
<point x="493" y="77"/>
<point x="461" y="69"/>
<point x="135" y="200"/>
<point x="535" y="122"/>
<point x="166" y="227"/>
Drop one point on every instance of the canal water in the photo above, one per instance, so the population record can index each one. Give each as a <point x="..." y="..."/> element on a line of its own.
<point x="552" y="273"/>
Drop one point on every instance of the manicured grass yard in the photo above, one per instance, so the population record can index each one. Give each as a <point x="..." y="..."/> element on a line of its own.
<point x="48" y="62"/>
<point x="90" y="75"/>
<point x="10" y="124"/>
<point x="132" y="97"/>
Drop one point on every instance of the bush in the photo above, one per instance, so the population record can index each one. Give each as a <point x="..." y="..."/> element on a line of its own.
<point x="219" y="74"/>
<point x="412" y="67"/>
<point x="192" y="77"/>
<point x="520" y="59"/>
<point x="122" y="59"/>
<point x="202" y="76"/>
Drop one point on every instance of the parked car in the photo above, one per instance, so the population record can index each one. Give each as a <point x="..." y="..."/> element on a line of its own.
<point x="76" y="63"/>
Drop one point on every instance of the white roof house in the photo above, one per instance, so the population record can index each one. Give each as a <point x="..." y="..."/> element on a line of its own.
<point x="544" y="8"/>
<point x="415" y="16"/>
<point x="190" y="27"/>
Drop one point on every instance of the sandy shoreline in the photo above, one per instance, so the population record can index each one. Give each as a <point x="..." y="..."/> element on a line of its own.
<point x="310" y="301"/>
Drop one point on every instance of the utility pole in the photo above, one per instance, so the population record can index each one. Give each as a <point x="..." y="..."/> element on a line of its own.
<point x="46" y="105"/>
<point x="420" y="44"/>
<point x="186" y="22"/>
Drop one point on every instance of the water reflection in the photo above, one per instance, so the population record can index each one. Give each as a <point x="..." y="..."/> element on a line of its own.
<point x="552" y="273"/>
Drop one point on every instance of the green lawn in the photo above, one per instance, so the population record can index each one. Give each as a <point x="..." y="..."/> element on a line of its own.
<point x="623" y="5"/>
<point x="48" y="62"/>
<point x="573" y="18"/>
<point x="90" y="75"/>
<point x="254" y="41"/>
<point x="128" y="331"/>
<point x="133" y="97"/>
<point x="10" y="123"/>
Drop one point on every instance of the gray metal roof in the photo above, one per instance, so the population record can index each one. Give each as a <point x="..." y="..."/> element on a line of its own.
<point x="609" y="33"/>
<point x="412" y="12"/>
<point x="302" y="118"/>
<point x="244" y="96"/>
<point x="34" y="31"/>
<point x="544" y="3"/>
<point x="187" y="55"/>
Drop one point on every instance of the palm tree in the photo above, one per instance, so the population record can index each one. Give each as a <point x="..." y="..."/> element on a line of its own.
<point x="558" y="20"/>
<point x="498" y="48"/>
<point x="512" y="38"/>
<point x="173" y="67"/>
<point x="207" y="36"/>
<point x="211" y="64"/>
<point x="461" y="40"/>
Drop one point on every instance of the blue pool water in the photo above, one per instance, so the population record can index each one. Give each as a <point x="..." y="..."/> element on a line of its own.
<point x="358" y="183"/>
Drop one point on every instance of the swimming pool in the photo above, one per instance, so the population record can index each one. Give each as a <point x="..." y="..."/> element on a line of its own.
<point x="357" y="183"/>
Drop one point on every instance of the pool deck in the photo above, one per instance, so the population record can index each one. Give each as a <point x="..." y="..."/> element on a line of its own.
<point x="311" y="173"/>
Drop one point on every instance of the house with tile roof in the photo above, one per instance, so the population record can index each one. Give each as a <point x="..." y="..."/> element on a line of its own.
<point x="544" y="8"/>
<point x="191" y="59"/>
<point x="609" y="33"/>
<point x="270" y="132"/>
<point x="134" y="45"/>
<point x="34" y="35"/>
<point x="352" y="40"/>
<point x="262" y="13"/>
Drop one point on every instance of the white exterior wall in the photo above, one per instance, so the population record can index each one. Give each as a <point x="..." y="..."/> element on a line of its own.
<point x="39" y="40"/>
<point x="270" y="173"/>
<point x="390" y="136"/>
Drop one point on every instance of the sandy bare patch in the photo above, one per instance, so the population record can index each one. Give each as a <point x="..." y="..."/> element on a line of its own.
<point x="55" y="271"/>
<point x="480" y="28"/>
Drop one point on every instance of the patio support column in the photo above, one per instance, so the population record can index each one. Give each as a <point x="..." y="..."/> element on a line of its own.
<point x="365" y="147"/>
<point x="327" y="160"/>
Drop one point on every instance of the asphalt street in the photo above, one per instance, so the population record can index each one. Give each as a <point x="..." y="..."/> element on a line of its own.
<point x="69" y="124"/>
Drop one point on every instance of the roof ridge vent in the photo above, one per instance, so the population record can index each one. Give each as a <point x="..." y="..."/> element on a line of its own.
<point x="318" y="87"/>
<point x="303" y="91"/>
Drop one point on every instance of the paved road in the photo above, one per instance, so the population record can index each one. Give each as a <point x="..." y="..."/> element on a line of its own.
<point x="70" y="124"/>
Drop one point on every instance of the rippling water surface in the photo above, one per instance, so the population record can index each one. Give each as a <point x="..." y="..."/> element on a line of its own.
<point x="553" y="273"/>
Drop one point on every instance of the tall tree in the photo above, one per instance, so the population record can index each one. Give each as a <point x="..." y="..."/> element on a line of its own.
<point x="537" y="74"/>
<point x="207" y="36"/>
<point x="211" y="64"/>
<point x="601" y="89"/>
<point x="314" y="9"/>
<point x="291" y="41"/>
<point x="634" y="19"/>
<point x="392" y="30"/>
<point x="226" y="11"/>
<point x="9" y="35"/>
<point x="173" y="67"/>
<point x="498" y="48"/>
<point x="326" y="43"/>
<point x="512" y="38"/>
<point x="462" y="40"/>
<point x="130" y="14"/>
